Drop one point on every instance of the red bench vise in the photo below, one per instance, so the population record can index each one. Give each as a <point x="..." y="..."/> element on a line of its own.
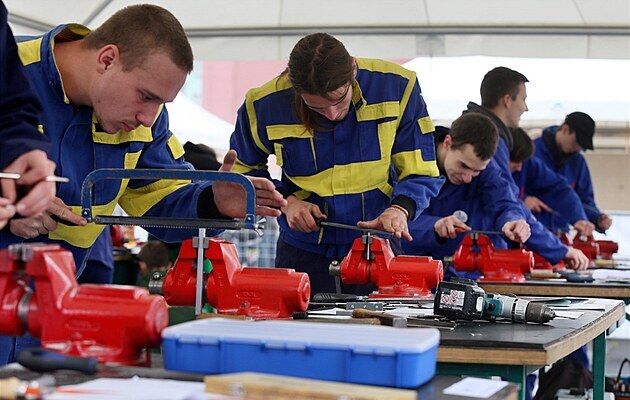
<point x="371" y="259"/>
<point x="114" y="324"/>
<point x="260" y="293"/>
<point x="477" y="253"/>
<point x="592" y="248"/>
<point x="541" y="262"/>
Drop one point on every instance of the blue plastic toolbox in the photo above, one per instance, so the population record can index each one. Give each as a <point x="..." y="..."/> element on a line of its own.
<point x="374" y="355"/>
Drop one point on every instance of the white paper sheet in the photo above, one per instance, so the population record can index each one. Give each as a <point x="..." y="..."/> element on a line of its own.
<point x="475" y="387"/>
<point x="132" y="388"/>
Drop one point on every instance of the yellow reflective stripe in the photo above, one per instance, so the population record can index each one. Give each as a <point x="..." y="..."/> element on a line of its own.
<point x="426" y="125"/>
<point x="386" y="138"/>
<point x="81" y="236"/>
<point x="140" y="134"/>
<point x="414" y="164"/>
<point x="276" y="132"/>
<point x="345" y="179"/>
<point x="387" y="190"/>
<point x="243" y="168"/>
<point x="277" y="148"/>
<point x="136" y="202"/>
<point x="30" y="51"/>
<point x="301" y="194"/>
<point x="276" y="85"/>
<point x="177" y="150"/>
<point x="377" y="65"/>
<point x="378" y="111"/>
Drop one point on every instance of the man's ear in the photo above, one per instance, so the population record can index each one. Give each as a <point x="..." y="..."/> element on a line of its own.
<point x="354" y="68"/>
<point x="506" y="100"/>
<point x="448" y="141"/>
<point x="107" y="57"/>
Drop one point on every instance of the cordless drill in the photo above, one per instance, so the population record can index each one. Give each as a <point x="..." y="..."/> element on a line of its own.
<point x="463" y="299"/>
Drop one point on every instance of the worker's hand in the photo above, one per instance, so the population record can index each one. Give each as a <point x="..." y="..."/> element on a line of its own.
<point x="604" y="221"/>
<point x="301" y="215"/>
<point x="536" y="205"/>
<point x="230" y="197"/>
<point x="33" y="227"/>
<point x="576" y="259"/>
<point x="391" y="220"/>
<point x="446" y="227"/>
<point x="33" y="166"/>
<point x="517" y="231"/>
<point x="584" y="227"/>
<point x="7" y="211"/>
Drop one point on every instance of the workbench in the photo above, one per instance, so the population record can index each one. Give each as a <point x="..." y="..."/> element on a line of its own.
<point x="431" y="390"/>
<point x="513" y="351"/>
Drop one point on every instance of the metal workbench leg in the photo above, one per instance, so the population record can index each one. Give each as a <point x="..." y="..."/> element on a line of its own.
<point x="599" y="366"/>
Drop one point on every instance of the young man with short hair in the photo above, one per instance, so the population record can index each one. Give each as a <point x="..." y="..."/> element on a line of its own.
<point x="472" y="192"/>
<point x="560" y="149"/>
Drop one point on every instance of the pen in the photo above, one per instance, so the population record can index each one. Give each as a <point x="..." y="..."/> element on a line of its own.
<point x="50" y="178"/>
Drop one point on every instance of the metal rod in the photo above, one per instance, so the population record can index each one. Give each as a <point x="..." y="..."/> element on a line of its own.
<point x="200" y="255"/>
<point x="50" y="178"/>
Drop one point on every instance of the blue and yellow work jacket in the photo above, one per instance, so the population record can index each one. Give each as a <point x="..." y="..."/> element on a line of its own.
<point x="541" y="241"/>
<point x="536" y="179"/>
<point x="79" y="148"/>
<point x="347" y="170"/>
<point x="573" y="168"/>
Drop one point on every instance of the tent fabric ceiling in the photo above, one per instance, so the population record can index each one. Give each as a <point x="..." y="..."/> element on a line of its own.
<point x="268" y="29"/>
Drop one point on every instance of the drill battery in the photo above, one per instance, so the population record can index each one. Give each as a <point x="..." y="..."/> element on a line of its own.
<point x="459" y="299"/>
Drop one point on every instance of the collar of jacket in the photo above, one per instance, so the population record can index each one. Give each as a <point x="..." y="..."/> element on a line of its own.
<point x="61" y="33"/>
<point x="503" y="129"/>
<point x="549" y="138"/>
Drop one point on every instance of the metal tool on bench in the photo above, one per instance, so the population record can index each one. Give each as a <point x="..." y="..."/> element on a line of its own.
<point x="229" y="287"/>
<point x="463" y="299"/>
<point x="371" y="259"/>
<point x="477" y="252"/>
<point x="403" y="322"/>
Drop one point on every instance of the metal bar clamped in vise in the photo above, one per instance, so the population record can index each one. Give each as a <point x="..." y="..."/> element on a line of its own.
<point x="249" y="222"/>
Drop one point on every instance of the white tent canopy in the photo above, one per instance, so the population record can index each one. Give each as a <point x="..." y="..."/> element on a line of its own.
<point x="267" y="30"/>
<point x="190" y="122"/>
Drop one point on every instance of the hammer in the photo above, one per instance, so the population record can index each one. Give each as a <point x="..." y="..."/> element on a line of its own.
<point x="383" y="317"/>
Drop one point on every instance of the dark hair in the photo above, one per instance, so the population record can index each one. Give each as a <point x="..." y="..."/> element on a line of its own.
<point x="318" y="65"/>
<point x="141" y="30"/>
<point x="476" y="130"/>
<point x="499" y="82"/>
<point x="155" y="254"/>
<point x="522" y="146"/>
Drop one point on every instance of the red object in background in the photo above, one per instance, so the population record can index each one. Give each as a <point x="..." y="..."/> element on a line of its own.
<point x="260" y="293"/>
<point x="587" y="245"/>
<point x="477" y="253"/>
<point x="394" y="276"/>
<point x="541" y="263"/>
<point x="114" y="324"/>
<point x="118" y="239"/>
<point x="607" y="248"/>
<point x="590" y="247"/>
